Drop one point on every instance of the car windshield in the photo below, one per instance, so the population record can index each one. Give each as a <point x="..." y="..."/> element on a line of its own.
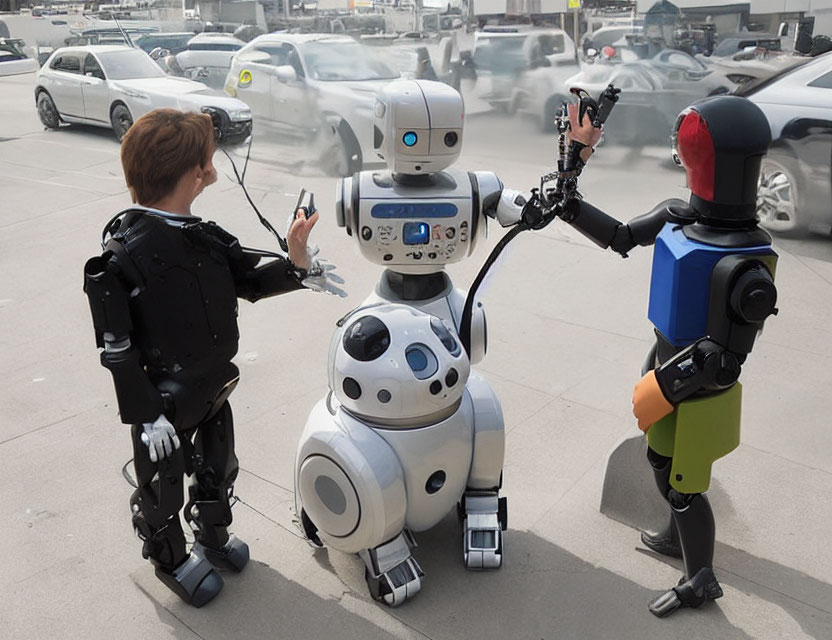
<point x="129" y="64"/>
<point x="752" y="87"/>
<point x="10" y="51"/>
<point x="503" y="54"/>
<point x="211" y="46"/>
<point x="332" y="61"/>
<point x="405" y="60"/>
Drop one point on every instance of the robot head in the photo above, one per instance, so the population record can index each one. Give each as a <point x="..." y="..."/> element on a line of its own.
<point x="392" y="363"/>
<point x="418" y="126"/>
<point x="720" y="141"/>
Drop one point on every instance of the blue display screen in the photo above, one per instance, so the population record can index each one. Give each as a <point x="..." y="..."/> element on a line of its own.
<point x="414" y="210"/>
<point x="416" y="233"/>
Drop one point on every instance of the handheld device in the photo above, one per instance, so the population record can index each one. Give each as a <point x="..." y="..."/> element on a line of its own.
<point x="306" y="202"/>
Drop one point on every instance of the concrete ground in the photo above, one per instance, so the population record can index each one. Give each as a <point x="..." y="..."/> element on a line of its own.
<point x="568" y="334"/>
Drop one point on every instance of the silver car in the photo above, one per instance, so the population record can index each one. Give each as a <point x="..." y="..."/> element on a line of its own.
<point x="318" y="86"/>
<point x="795" y="192"/>
<point x="653" y="92"/>
<point x="112" y="85"/>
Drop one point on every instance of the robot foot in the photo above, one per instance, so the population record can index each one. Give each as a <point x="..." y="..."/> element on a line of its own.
<point x="688" y="593"/>
<point x="392" y="574"/>
<point x="233" y="556"/>
<point x="484" y="520"/>
<point x="195" y="580"/>
<point x="665" y="542"/>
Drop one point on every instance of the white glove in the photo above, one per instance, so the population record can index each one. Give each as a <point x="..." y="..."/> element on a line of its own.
<point x="160" y="438"/>
<point x="321" y="276"/>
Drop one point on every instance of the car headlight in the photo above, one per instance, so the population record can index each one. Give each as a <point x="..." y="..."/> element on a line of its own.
<point x="236" y="115"/>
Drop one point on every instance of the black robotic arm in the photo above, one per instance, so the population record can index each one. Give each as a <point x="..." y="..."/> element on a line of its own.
<point x="139" y="401"/>
<point x="622" y="237"/>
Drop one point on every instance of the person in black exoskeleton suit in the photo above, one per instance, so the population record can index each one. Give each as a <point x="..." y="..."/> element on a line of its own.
<point x="163" y="297"/>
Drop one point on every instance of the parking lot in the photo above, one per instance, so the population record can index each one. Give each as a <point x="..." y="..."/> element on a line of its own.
<point x="568" y="333"/>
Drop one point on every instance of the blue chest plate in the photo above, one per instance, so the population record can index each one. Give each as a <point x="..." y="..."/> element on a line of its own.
<point x="681" y="282"/>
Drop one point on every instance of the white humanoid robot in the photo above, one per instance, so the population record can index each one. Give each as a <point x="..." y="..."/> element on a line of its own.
<point x="408" y="430"/>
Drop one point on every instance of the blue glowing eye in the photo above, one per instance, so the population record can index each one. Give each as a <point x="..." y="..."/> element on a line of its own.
<point x="410" y="139"/>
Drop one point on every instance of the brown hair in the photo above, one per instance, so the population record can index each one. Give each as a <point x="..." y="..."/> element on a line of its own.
<point x="160" y="148"/>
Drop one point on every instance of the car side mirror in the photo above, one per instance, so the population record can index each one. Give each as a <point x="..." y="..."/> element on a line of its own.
<point x="286" y="73"/>
<point x="783" y="30"/>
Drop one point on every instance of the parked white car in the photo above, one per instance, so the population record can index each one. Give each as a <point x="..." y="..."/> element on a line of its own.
<point x="112" y="85"/>
<point x="13" y="60"/>
<point x="319" y="85"/>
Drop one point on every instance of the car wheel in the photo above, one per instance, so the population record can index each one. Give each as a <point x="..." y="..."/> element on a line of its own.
<point x="550" y="113"/>
<point x="341" y="151"/>
<point x="47" y="111"/>
<point x="121" y="119"/>
<point x="777" y="197"/>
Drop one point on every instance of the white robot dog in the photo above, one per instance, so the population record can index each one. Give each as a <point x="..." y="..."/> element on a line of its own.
<point x="408" y="431"/>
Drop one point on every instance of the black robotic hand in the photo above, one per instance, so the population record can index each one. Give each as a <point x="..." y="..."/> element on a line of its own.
<point x="598" y="110"/>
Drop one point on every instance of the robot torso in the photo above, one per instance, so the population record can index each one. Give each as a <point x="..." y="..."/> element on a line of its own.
<point x="681" y="284"/>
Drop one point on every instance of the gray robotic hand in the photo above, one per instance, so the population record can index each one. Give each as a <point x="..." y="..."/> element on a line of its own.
<point x="321" y="275"/>
<point x="160" y="438"/>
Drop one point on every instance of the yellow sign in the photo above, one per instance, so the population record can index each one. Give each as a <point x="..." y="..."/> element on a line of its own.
<point x="574" y="4"/>
<point x="245" y="78"/>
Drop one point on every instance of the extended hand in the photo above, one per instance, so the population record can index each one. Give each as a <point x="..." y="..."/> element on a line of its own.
<point x="160" y="438"/>
<point x="297" y="237"/>
<point x="583" y="131"/>
<point x="649" y="403"/>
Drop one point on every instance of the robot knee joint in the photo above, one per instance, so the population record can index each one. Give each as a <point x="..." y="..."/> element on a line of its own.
<point x="680" y="501"/>
<point x="658" y="461"/>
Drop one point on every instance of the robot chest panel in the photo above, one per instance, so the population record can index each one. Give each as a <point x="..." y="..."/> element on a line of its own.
<point x="187" y="311"/>
<point x="415" y="227"/>
<point x="680" y="284"/>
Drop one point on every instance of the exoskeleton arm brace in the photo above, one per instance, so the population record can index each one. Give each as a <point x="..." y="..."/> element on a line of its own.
<point x="621" y="237"/>
<point x="139" y="401"/>
<point x="252" y="280"/>
<point x="257" y="281"/>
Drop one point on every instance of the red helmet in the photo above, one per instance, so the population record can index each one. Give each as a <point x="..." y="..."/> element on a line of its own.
<point x="720" y="142"/>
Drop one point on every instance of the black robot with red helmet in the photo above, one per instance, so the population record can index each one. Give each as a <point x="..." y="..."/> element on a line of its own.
<point x="712" y="288"/>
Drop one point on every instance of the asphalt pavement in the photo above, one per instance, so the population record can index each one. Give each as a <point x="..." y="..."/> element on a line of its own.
<point x="568" y="333"/>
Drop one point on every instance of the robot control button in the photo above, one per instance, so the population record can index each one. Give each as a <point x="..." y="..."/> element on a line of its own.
<point x="388" y="257"/>
<point x="450" y="232"/>
<point x="432" y="255"/>
<point x="366" y="233"/>
<point x="417" y="255"/>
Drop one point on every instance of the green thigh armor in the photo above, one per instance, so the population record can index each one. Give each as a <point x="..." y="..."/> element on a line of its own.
<point x="696" y="434"/>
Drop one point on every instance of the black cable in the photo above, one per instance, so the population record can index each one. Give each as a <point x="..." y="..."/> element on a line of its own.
<point x="240" y="180"/>
<point x="127" y="475"/>
<point x="467" y="310"/>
